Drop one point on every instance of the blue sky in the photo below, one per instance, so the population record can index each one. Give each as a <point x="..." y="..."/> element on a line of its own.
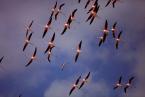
<point x="106" y="63"/>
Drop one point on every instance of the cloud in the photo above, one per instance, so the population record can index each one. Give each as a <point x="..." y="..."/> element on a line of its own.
<point x="129" y="58"/>
<point x="60" y="88"/>
<point x="138" y="88"/>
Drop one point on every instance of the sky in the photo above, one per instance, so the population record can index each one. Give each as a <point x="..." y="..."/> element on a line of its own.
<point x="106" y="64"/>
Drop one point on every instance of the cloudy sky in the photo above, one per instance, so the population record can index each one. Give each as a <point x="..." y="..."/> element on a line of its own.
<point x="106" y="64"/>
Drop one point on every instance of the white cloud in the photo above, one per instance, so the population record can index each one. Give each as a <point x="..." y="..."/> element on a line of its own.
<point x="61" y="88"/>
<point x="138" y="89"/>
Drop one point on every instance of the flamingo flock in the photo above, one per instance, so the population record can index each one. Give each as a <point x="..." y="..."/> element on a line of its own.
<point x="92" y="14"/>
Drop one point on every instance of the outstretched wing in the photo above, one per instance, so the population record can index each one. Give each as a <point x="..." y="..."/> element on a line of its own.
<point x="119" y="35"/>
<point x="79" y="1"/>
<point x="80" y="44"/>
<point x="76" y="57"/>
<point x="81" y="85"/>
<point x="44" y="33"/>
<point x="113" y="4"/>
<point x="49" y="55"/>
<point x="116" y="45"/>
<point x="114" y="25"/>
<point x="125" y="89"/>
<point x="31" y="24"/>
<point x="115" y="87"/>
<point x="72" y="89"/>
<point x="108" y="3"/>
<point x="96" y="3"/>
<point x="104" y="37"/>
<point x="56" y="15"/>
<point x="90" y="16"/>
<point x="100" y="42"/>
<point x="25" y="45"/>
<point x="88" y="2"/>
<point x="131" y="79"/>
<point x="77" y="81"/>
<point x="120" y="79"/>
<point x="1" y="59"/>
<point x="113" y="34"/>
<point x="29" y="37"/>
<point x="34" y="54"/>
<point x="73" y="13"/>
<point x="55" y="5"/>
<point x="88" y="75"/>
<point x="92" y="20"/>
<point x="53" y="37"/>
<point x="49" y="22"/>
<point x="64" y="30"/>
<point x="106" y="25"/>
<point x="29" y="63"/>
<point x="60" y="7"/>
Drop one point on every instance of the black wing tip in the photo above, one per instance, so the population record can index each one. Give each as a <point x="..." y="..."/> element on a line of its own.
<point x="43" y="36"/>
<point x="125" y="90"/>
<point x="132" y="78"/>
<point x="69" y="94"/>
<point x="62" y="33"/>
<point x="49" y="60"/>
<point x="45" y="52"/>
<point x="35" y="49"/>
<point x="23" y="50"/>
<point x="80" y="87"/>
<point x="120" y="77"/>
<point x="27" y="65"/>
<point x="54" y="34"/>
<point x="115" y="88"/>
